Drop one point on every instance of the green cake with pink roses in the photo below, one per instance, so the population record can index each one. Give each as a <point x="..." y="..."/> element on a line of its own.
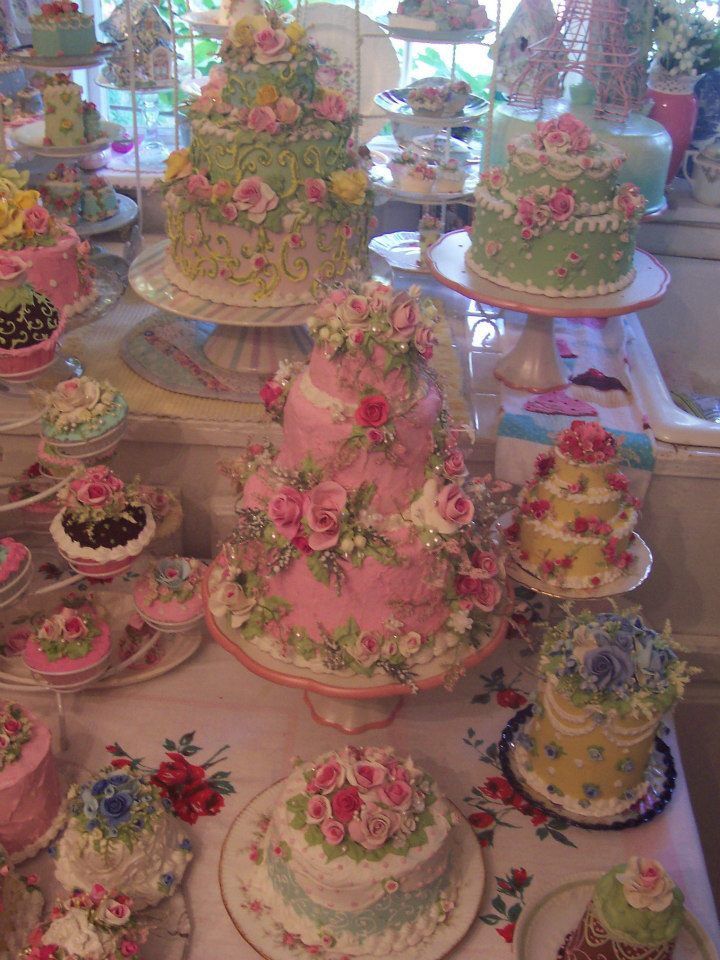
<point x="556" y="220"/>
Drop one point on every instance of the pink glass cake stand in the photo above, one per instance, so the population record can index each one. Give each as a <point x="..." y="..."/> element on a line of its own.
<point x="352" y="704"/>
<point x="227" y="347"/>
<point x="533" y="364"/>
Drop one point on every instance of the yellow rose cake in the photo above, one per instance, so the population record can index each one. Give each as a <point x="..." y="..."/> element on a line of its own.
<point x="606" y="682"/>
<point x="269" y="203"/>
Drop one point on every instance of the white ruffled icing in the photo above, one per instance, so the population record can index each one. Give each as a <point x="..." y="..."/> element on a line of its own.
<point x="569" y="724"/>
<point x="82" y="303"/>
<point x="75" y="551"/>
<point x="556" y="530"/>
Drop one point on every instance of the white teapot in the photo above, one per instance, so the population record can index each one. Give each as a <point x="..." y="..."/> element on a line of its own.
<point x="705" y="177"/>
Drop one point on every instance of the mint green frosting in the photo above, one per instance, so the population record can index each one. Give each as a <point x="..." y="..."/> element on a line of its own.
<point x="90" y="428"/>
<point x="643" y="926"/>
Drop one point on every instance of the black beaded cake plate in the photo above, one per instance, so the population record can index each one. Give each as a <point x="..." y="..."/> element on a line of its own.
<point x="242" y="887"/>
<point x="546" y="922"/>
<point x="661" y="777"/>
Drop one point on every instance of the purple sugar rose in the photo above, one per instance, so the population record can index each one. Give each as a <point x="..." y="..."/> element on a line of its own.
<point x="608" y="668"/>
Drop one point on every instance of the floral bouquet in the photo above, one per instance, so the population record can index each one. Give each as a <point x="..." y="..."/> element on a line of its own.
<point x="98" y="495"/>
<point x="68" y="633"/>
<point x="684" y="38"/>
<point x="586" y="442"/>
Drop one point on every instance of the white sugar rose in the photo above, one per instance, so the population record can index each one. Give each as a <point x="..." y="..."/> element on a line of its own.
<point x="113" y="913"/>
<point x="79" y="393"/>
<point x="646" y="885"/>
<point x="78" y="936"/>
<point x="430" y="508"/>
<point x="410" y="643"/>
<point x="230" y="598"/>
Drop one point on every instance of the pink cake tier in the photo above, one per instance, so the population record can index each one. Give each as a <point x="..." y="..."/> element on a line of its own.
<point x="14" y="557"/>
<point x="61" y="273"/>
<point x="169" y="595"/>
<point x="30" y="792"/>
<point x="70" y="647"/>
<point x="356" y="547"/>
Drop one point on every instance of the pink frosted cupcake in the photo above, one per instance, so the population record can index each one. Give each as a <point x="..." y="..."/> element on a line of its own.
<point x="168" y="597"/>
<point x="69" y="648"/>
<point x="15" y="570"/>
<point x="30" y="325"/>
<point x="104" y="525"/>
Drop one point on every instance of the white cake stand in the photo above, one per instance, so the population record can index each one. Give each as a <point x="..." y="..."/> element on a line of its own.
<point x="534" y="364"/>
<point x="225" y="346"/>
<point x="349" y="704"/>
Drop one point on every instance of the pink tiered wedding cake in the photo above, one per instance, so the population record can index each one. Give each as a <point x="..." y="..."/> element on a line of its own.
<point x="358" y="548"/>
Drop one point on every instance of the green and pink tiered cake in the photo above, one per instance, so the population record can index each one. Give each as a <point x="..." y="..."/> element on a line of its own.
<point x="556" y="220"/>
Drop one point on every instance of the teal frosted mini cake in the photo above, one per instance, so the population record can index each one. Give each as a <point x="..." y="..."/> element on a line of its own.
<point x="81" y="411"/>
<point x="357" y="856"/>
<point x="99" y="200"/>
<point x="555" y="220"/>
<point x="636" y="911"/>
<point x="61" y="30"/>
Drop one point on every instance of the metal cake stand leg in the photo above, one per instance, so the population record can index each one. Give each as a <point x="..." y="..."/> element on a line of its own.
<point x="534" y="363"/>
<point x="352" y="716"/>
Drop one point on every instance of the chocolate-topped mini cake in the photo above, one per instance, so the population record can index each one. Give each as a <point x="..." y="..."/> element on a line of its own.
<point x="104" y="524"/>
<point x="30" y="325"/>
<point x="598" y="387"/>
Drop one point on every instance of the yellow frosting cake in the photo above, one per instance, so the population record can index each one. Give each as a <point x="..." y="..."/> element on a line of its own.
<point x="269" y="203"/>
<point x="576" y="519"/>
<point x="606" y="683"/>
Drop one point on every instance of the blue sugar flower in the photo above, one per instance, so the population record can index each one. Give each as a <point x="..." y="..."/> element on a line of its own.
<point x="553" y="751"/>
<point x="185" y="844"/>
<point x="99" y="787"/>
<point x="591" y="790"/>
<point x="116" y="809"/>
<point x="625" y="765"/>
<point x="607" y="668"/>
<point x="167" y="879"/>
<point x="119" y="780"/>
<point x="172" y="572"/>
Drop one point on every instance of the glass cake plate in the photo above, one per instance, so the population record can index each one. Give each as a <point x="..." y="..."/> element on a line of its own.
<point x="416" y="35"/>
<point x="544" y="924"/>
<point x="239" y="875"/>
<point x="661" y="777"/>
<point x="401" y="250"/>
<point x="395" y="103"/>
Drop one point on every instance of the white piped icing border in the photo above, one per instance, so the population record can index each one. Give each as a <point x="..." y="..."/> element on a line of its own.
<point x="132" y="548"/>
<point x="555" y="529"/>
<point x="554" y="486"/>
<point x="344" y="411"/>
<point x="570" y="726"/>
<point x="204" y="288"/>
<point x="45" y="839"/>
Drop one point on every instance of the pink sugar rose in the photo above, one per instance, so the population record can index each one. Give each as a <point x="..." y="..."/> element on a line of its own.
<point x="375" y="436"/>
<point x="542" y="216"/>
<point x="116" y="914"/>
<point x="487" y="594"/>
<point x="93" y="494"/>
<point x="270" y="46"/>
<point x="333" y="831"/>
<point x="373" y="411"/>
<point x="129" y="948"/>
<point x="485" y="563"/>
<point x="16" y="641"/>
<point x="199" y="186"/>
<point x="492" y="248"/>
<point x="374" y="827"/>
<point x="74" y="628"/>
<point x="367" y="774"/>
<point x="397" y="794"/>
<point x="453" y="506"/>
<point x="425" y="340"/>
<point x="229" y="212"/>
<point x="254" y="196"/>
<point x="222" y="190"/>
<point x="327" y="777"/>
<point x="11" y="726"/>
<point x="346" y="230"/>
<point x="269" y="393"/>
<point x="562" y="204"/>
<point x="315" y="190"/>
<point x="526" y="233"/>
<point x="12" y="268"/>
<point x="404" y="316"/>
<point x="556" y="141"/>
<point x="37" y="219"/>
<point x="570" y="124"/>
<point x="345" y="803"/>
<point x="338" y="296"/>
<point x="286" y="510"/>
<point x="323" y="507"/>
<point x="366" y="651"/>
<point x="287" y="110"/>
<point x="333" y="106"/>
<point x="526" y="210"/>
<point x="354" y="310"/>
<point x="318" y="809"/>
<point x="454" y="465"/>
<point x="263" y="119"/>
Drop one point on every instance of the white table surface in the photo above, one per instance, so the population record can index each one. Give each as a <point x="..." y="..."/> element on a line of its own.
<point x="265" y="726"/>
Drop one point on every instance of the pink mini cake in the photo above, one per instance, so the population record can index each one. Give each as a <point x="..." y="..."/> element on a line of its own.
<point x="70" y="647"/>
<point x="30" y="325"/>
<point x="168" y="597"/>
<point x="30" y="794"/>
<point x="88" y="926"/>
<point x="15" y="569"/>
<point x="104" y="524"/>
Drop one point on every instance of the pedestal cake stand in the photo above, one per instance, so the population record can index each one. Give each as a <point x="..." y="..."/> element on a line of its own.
<point x="349" y="704"/>
<point x="245" y="339"/>
<point x="533" y="364"/>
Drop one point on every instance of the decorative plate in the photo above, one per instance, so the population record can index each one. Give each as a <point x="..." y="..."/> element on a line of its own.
<point x="256" y="926"/>
<point x="26" y="56"/>
<point x="125" y="214"/>
<point x="394" y="102"/>
<point x="381" y="176"/>
<point x="401" y="250"/>
<point x="661" y="784"/>
<point x="334" y="28"/>
<point x="544" y="925"/>
<point x="33" y="134"/>
<point x="411" y="34"/>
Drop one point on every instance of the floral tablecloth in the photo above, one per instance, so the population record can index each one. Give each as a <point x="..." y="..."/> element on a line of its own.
<point x="212" y="700"/>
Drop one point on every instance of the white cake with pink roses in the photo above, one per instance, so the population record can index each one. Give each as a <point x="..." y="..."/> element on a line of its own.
<point x="358" y="548"/>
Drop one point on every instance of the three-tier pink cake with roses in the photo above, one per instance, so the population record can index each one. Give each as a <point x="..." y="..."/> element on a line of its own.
<point x="357" y="857"/>
<point x="555" y="219"/>
<point x="358" y="549"/>
<point x="30" y="794"/>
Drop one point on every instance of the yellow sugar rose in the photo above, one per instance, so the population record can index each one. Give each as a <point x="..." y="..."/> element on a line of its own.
<point x="24" y="199"/>
<point x="349" y="185"/>
<point x="177" y="165"/>
<point x="266" y="95"/>
<point x="295" y="31"/>
<point x="11" y="220"/>
<point x="243" y="34"/>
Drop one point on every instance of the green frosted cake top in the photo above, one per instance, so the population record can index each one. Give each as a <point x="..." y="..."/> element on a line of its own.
<point x="639" y="900"/>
